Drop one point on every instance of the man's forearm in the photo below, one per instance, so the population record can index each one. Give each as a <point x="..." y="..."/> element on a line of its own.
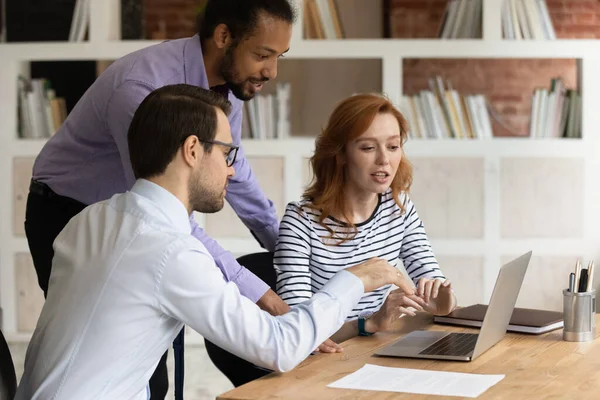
<point x="248" y="283"/>
<point x="273" y="304"/>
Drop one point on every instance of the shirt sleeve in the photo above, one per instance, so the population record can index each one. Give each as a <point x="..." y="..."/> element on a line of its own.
<point x="416" y="252"/>
<point x="122" y="105"/>
<point x="249" y="284"/>
<point x="245" y="195"/>
<point x="192" y="290"/>
<point x="292" y="257"/>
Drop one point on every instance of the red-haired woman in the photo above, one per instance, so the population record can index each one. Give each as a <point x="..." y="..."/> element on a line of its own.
<point x="357" y="208"/>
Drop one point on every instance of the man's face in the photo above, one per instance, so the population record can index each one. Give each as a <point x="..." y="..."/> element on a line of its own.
<point x="252" y="61"/>
<point x="208" y="183"/>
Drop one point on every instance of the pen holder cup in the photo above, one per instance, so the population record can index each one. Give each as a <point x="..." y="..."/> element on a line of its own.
<point x="579" y="313"/>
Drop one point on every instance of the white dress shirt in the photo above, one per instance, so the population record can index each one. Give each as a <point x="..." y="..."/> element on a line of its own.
<point x="126" y="276"/>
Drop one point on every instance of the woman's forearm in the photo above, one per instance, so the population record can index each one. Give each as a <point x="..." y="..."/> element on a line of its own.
<point x="347" y="331"/>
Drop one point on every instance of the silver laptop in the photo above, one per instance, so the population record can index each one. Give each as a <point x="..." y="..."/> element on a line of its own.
<point x="468" y="346"/>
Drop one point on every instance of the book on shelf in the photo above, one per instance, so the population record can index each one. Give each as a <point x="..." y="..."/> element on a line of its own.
<point x="80" y="21"/>
<point x="322" y="20"/>
<point x="40" y="112"/>
<point x="462" y="19"/>
<point x="527" y="19"/>
<point x="442" y="112"/>
<point x="2" y="21"/>
<point x="132" y="20"/>
<point x="555" y="112"/>
<point x="267" y="116"/>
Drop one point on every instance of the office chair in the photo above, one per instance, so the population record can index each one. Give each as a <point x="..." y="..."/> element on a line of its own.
<point x="8" y="377"/>
<point x="236" y="369"/>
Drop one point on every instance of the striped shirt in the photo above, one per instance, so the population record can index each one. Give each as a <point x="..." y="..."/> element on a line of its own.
<point x="306" y="257"/>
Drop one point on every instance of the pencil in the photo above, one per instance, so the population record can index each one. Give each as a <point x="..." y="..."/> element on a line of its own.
<point x="590" y="276"/>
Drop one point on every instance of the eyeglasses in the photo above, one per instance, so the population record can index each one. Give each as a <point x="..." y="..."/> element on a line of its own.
<point x="231" y="154"/>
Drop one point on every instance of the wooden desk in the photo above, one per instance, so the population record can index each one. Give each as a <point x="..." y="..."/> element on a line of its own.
<point x="536" y="367"/>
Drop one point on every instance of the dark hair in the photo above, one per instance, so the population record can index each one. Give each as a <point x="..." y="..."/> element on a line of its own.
<point x="241" y="16"/>
<point x="165" y="119"/>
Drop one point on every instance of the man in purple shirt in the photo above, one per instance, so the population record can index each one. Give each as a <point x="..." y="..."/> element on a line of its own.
<point x="87" y="160"/>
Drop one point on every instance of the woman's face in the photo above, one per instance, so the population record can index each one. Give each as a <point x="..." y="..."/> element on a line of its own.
<point x="372" y="159"/>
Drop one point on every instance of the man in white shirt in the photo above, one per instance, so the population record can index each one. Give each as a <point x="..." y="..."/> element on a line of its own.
<point x="127" y="273"/>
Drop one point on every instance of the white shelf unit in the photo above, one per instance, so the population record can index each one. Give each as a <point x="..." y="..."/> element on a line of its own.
<point x="104" y="46"/>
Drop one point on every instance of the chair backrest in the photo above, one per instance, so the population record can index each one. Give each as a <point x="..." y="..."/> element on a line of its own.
<point x="261" y="265"/>
<point x="8" y="378"/>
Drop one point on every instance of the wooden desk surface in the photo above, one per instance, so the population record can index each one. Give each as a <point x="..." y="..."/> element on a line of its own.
<point x="535" y="367"/>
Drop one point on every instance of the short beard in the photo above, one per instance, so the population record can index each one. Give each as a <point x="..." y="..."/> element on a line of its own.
<point x="202" y="200"/>
<point x="228" y="73"/>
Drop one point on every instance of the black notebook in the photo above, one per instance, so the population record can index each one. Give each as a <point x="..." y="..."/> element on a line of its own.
<point x="523" y="320"/>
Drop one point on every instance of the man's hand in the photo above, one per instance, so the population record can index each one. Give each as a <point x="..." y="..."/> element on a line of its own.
<point x="273" y="304"/>
<point x="329" y="346"/>
<point x="377" y="272"/>
<point x="396" y="304"/>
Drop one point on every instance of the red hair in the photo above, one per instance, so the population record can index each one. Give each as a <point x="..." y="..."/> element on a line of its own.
<point x="350" y="119"/>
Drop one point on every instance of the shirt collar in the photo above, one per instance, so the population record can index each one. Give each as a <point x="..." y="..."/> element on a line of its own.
<point x="172" y="208"/>
<point x="193" y="60"/>
<point x="195" y="71"/>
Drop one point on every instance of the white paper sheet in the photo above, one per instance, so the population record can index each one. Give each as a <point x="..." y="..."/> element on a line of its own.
<point x="375" y="377"/>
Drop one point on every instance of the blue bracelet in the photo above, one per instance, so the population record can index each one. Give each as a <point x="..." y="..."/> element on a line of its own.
<point x="361" y="327"/>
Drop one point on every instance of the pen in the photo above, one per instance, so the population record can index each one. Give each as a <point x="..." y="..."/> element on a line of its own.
<point x="583" y="280"/>
<point x="590" y="276"/>
<point x="577" y="273"/>
<point x="572" y="282"/>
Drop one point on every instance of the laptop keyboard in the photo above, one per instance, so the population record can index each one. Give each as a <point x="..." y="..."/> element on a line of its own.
<point x="454" y="344"/>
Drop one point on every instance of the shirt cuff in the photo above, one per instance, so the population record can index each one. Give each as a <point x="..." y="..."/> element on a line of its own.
<point x="250" y="285"/>
<point x="346" y="287"/>
<point x="267" y="237"/>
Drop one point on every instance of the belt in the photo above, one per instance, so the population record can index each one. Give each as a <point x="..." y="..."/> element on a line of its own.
<point x="41" y="189"/>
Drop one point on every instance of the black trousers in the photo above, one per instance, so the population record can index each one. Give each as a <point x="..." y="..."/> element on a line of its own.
<point x="236" y="369"/>
<point x="45" y="217"/>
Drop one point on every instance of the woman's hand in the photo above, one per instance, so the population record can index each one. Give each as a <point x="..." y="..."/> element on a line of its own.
<point x="430" y="288"/>
<point x="437" y="295"/>
<point x="396" y="304"/>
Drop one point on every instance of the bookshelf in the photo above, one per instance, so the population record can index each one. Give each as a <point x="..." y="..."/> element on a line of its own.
<point x="469" y="95"/>
<point x="343" y="48"/>
<point x="482" y="200"/>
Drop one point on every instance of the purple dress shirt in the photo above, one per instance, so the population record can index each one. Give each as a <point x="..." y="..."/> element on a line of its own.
<point x="88" y="158"/>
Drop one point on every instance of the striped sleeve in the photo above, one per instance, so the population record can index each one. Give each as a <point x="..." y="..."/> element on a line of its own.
<point x="416" y="252"/>
<point x="292" y="256"/>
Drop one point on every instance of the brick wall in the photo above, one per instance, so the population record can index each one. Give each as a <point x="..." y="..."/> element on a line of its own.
<point x="415" y="18"/>
<point x="575" y="19"/>
<point x="178" y="17"/>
